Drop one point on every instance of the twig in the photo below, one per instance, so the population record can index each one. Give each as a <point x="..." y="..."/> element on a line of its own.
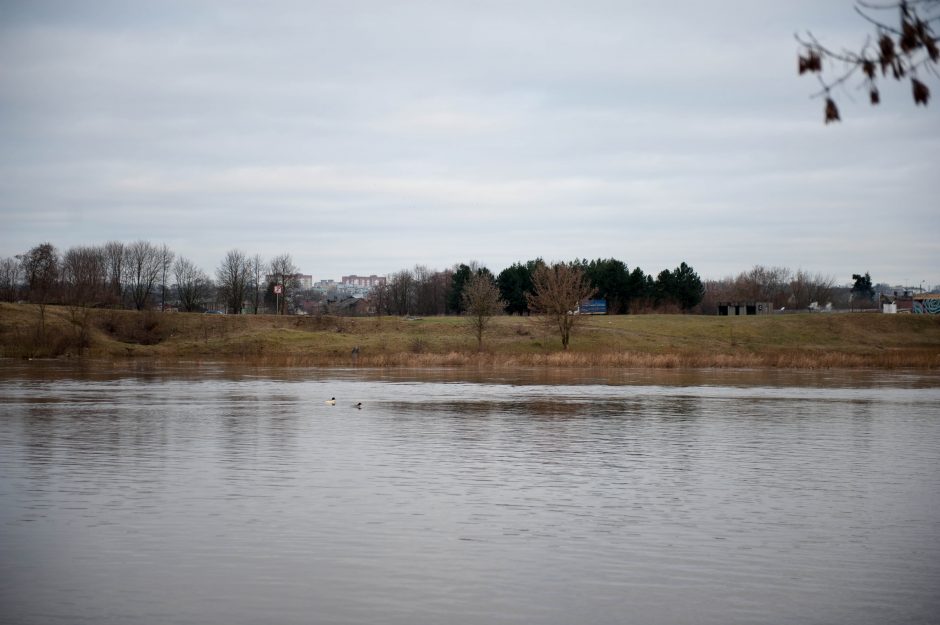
<point x="877" y="23"/>
<point x="813" y="44"/>
<point x="828" y="87"/>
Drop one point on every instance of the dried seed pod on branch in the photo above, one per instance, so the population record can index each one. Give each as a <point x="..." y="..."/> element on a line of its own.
<point x="906" y="48"/>
<point x="832" y="112"/>
<point x="921" y="92"/>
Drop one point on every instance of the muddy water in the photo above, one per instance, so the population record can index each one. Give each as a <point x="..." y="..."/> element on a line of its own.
<point x="217" y="495"/>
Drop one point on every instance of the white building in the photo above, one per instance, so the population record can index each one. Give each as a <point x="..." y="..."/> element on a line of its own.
<point x="369" y="282"/>
<point x="325" y="286"/>
<point x="305" y="281"/>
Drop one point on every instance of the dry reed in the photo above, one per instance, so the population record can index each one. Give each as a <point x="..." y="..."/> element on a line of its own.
<point x="664" y="342"/>
<point x="620" y="360"/>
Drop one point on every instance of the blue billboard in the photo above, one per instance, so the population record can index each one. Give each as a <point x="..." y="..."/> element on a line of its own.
<point x="593" y="307"/>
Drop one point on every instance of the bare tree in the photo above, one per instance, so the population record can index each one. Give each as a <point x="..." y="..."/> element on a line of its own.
<point x="114" y="258"/>
<point x="806" y="289"/>
<point x="764" y="284"/>
<point x="907" y="50"/>
<point x="84" y="276"/>
<point x="400" y="293"/>
<point x="431" y="288"/>
<point x="481" y="301"/>
<point x="41" y="270"/>
<point x="257" y="281"/>
<point x="84" y="282"/>
<point x="417" y="291"/>
<point x="381" y="299"/>
<point x="232" y="277"/>
<point x="166" y="262"/>
<point x="557" y="292"/>
<point x="192" y="284"/>
<point x="143" y="264"/>
<point x="10" y="272"/>
<point x="284" y="274"/>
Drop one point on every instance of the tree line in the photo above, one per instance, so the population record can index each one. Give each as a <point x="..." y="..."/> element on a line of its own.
<point x="787" y="289"/>
<point x="143" y="275"/>
<point x="422" y="291"/>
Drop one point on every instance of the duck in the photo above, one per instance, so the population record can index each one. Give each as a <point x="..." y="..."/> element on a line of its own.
<point x="331" y="401"/>
<point x="358" y="406"/>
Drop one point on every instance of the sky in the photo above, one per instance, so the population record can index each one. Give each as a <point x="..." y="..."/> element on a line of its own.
<point x="365" y="137"/>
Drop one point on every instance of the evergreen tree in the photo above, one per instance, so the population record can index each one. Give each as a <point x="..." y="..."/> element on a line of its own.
<point x="681" y="286"/>
<point x="862" y="289"/>
<point x="459" y="279"/>
<point x="515" y="283"/>
<point x="689" y="289"/>
<point x="612" y="280"/>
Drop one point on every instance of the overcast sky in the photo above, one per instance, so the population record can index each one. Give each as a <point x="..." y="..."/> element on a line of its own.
<point x="367" y="137"/>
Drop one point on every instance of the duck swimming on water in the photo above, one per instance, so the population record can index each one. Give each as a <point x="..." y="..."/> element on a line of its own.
<point x="331" y="401"/>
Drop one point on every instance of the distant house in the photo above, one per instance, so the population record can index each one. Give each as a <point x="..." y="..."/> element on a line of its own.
<point x="740" y="309"/>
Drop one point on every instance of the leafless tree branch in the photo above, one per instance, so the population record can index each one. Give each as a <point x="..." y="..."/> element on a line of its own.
<point x="898" y="52"/>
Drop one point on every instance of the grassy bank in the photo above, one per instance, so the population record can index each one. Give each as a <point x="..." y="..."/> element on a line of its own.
<point x="790" y="341"/>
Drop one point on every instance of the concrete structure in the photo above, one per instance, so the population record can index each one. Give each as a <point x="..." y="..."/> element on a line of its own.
<point x="903" y="301"/>
<point x="369" y="282"/>
<point x="324" y="286"/>
<point x="736" y="309"/>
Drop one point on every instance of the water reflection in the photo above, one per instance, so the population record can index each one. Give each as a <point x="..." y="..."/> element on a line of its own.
<point x="143" y="372"/>
<point x="226" y="495"/>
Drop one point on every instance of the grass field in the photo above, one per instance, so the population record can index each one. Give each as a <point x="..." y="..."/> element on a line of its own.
<point x="789" y="341"/>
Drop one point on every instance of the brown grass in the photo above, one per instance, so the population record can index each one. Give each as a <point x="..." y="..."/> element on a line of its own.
<point x="818" y="341"/>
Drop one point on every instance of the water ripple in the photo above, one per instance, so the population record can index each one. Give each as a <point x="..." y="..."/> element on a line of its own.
<point x="240" y="497"/>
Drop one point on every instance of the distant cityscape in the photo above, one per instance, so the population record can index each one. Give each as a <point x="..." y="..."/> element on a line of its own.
<point x="350" y="286"/>
<point x="348" y="295"/>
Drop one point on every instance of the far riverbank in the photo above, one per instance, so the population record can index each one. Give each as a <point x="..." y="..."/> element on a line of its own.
<point x="795" y="341"/>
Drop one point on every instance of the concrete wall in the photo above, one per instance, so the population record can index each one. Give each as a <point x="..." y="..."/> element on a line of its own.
<point x="740" y="309"/>
<point x="926" y="306"/>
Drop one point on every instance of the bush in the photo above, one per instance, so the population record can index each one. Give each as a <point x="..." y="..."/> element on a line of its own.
<point x="144" y="328"/>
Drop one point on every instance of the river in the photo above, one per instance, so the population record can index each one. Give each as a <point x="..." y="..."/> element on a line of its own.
<point x="211" y="494"/>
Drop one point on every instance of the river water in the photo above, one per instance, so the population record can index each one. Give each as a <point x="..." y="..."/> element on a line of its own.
<point x="206" y="494"/>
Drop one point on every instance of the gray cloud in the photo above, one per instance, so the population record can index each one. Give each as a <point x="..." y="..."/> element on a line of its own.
<point x="369" y="136"/>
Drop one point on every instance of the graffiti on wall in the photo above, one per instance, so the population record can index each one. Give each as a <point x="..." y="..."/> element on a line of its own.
<point x="926" y="306"/>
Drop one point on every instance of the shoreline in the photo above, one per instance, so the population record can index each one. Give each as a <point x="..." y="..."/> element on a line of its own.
<point x="804" y="341"/>
<point x="800" y="361"/>
<point x="810" y="341"/>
